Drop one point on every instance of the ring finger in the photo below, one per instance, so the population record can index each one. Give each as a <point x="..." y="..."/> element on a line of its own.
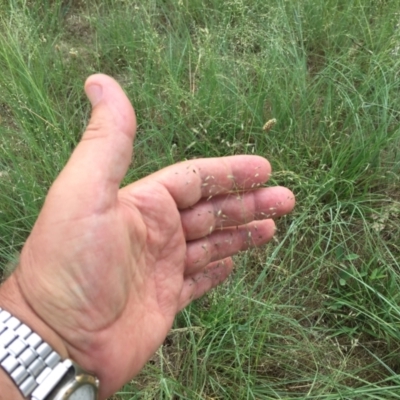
<point x="226" y="242"/>
<point x="224" y="211"/>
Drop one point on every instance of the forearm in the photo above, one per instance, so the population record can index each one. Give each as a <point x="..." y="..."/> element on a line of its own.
<point x="13" y="301"/>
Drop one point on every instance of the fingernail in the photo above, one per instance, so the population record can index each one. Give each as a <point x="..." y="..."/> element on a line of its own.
<point x="94" y="93"/>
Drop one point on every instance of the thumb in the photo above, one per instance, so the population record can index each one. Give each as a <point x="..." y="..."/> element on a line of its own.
<point x="99" y="162"/>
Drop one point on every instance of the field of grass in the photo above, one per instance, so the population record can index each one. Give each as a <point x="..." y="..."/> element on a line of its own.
<point x="315" y="314"/>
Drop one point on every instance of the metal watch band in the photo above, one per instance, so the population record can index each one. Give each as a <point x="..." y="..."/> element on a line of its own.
<point x="30" y="362"/>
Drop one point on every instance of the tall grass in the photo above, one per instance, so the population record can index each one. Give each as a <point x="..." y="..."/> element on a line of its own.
<point x="315" y="314"/>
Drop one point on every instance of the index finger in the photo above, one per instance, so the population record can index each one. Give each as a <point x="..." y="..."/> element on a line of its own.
<point x="189" y="181"/>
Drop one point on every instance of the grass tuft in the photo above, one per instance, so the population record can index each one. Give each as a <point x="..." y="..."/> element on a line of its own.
<point x="315" y="314"/>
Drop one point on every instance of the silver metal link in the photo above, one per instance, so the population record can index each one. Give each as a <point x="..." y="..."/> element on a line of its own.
<point x="28" y="356"/>
<point x="9" y="364"/>
<point x="43" y="375"/>
<point x="44" y="350"/>
<point x="7" y="337"/>
<point x="36" y="367"/>
<point x="28" y="386"/>
<point x="23" y="331"/>
<point x="17" y="347"/>
<point x="3" y="353"/>
<point x="2" y="327"/>
<point x="53" y="359"/>
<point x="4" y="315"/>
<point x="34" y="340"/>
<point x="19" y="374"/>
<point x="13" y="323"/>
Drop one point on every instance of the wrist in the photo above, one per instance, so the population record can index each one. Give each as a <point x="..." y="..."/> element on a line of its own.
<point x="13" y="301"/>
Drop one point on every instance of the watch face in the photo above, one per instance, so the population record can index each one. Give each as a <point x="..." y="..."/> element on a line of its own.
<point x="84" y="392"/>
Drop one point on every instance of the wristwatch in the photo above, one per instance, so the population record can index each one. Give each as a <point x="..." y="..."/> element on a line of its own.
<point x="36" y="369"/>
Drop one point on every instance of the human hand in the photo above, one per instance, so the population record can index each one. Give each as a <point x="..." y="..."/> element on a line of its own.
<point x="107" y="269"/>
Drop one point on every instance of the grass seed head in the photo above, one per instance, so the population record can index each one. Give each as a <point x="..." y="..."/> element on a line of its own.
<point x="269" y="125"/>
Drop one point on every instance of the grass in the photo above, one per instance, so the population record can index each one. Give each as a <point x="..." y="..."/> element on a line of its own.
<point x="316" y="313"/>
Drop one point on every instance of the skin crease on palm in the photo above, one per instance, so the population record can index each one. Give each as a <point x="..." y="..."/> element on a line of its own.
<point x="107" y="269"/>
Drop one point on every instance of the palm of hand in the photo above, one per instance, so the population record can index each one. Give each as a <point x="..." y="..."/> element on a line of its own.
<point x="123" y="279"/>
<point x="108" y="269"/>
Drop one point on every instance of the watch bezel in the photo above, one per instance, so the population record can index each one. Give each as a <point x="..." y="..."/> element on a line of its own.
<point x="75" y="378"/>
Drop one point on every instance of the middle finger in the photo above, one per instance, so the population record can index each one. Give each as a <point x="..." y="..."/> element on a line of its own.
<point x="235" y="209"/>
